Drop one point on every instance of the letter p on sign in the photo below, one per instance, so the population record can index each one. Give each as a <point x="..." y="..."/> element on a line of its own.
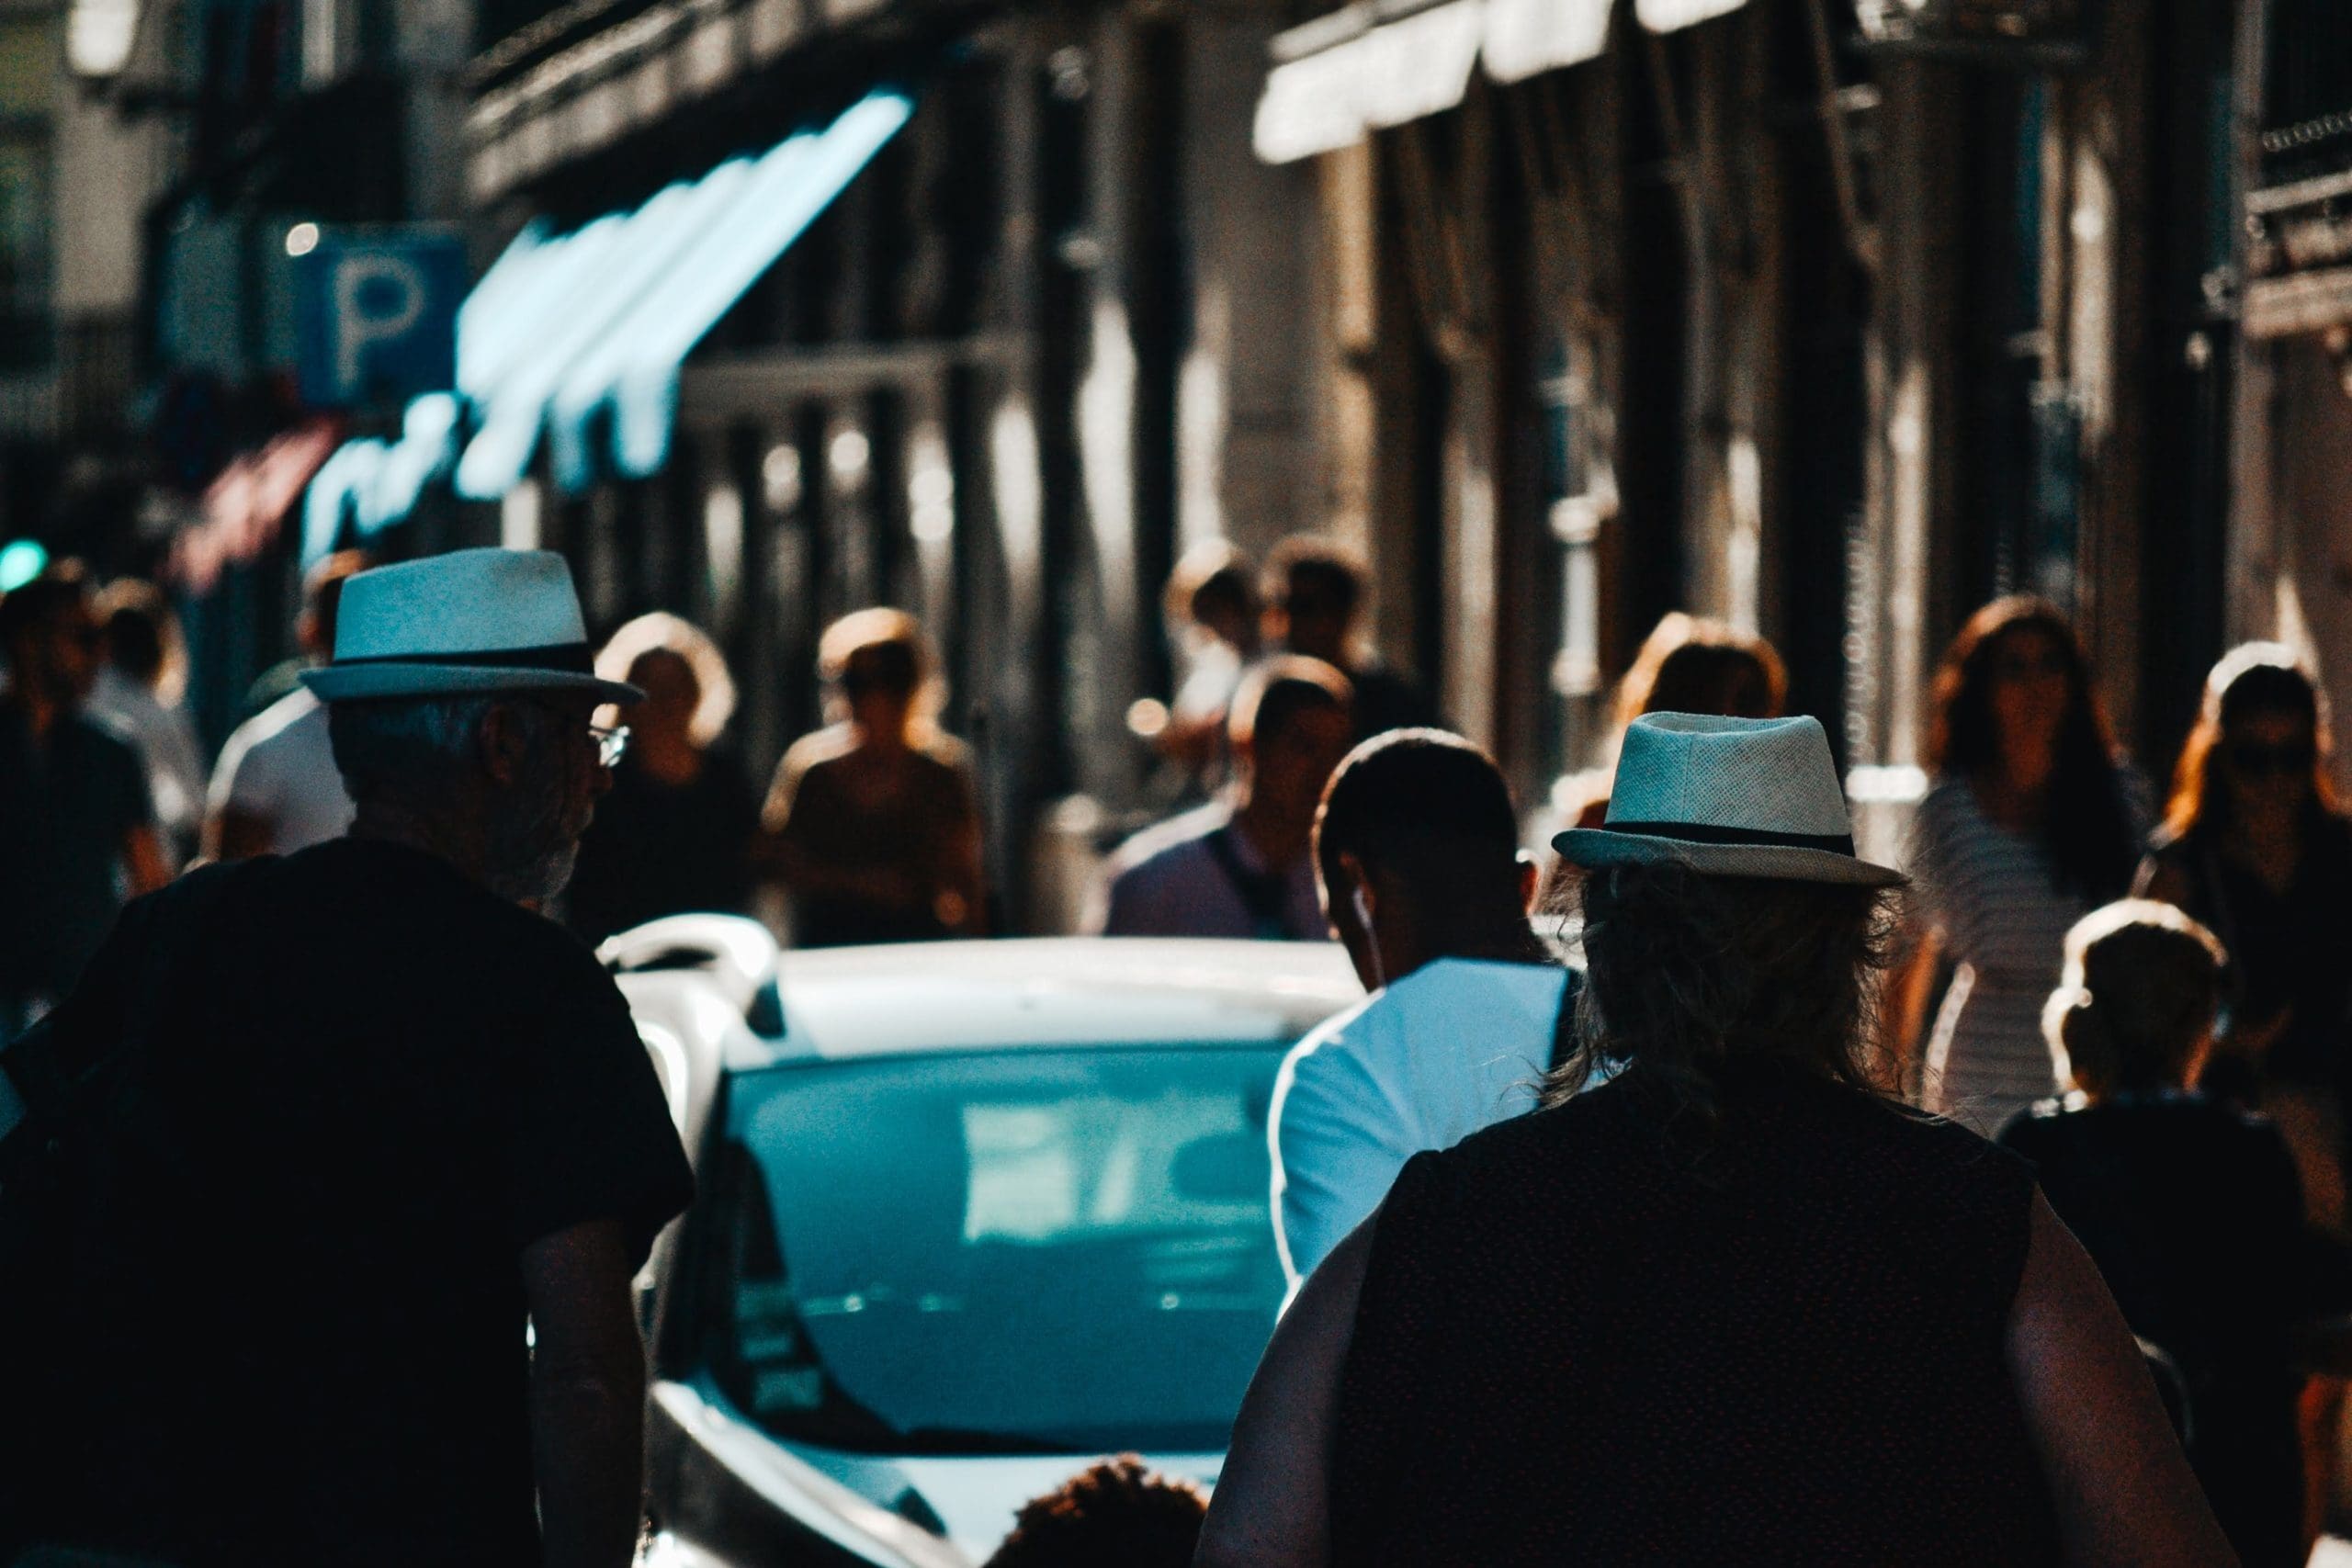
<point x="378" y="297"/>
<point x="377" y="312"/>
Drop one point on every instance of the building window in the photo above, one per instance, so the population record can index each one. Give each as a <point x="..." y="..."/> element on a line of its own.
<point x="1580" y="499"/>
<point x="29" y="47"/>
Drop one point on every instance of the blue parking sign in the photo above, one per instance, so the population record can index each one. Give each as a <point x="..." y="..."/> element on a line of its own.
<point x="377" y="314"/>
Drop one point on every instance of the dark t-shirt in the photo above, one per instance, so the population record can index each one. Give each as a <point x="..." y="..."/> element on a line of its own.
<point x="2192" y="1211"/>
<point x="2290" y="953"/>
<point x="1581" y="1340"/>
<point x="660" y="849"/>
<point x="64" y="808"/>
<point x="298" y="1318"/>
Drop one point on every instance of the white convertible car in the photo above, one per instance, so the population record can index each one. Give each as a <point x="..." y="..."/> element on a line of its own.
<point x="972" y="1215"/>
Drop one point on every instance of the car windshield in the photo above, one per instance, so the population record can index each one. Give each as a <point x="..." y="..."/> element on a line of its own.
<point x="1037" y="1250"/>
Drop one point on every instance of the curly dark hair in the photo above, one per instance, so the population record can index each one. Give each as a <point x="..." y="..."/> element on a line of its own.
<point x="2086" y="828"/>
<point x="1113" y="1512"/>
<point x="1688" y="977"/>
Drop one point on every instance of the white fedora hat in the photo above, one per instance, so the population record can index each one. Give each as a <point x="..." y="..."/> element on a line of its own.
<point x="1727" y="797"/>
<point x="462" y="623"/>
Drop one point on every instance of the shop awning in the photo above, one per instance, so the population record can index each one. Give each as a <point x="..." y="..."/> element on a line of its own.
<point x="1382" y="62"/>
<point x="565" y="328"/>
<point x="574" y="334"/>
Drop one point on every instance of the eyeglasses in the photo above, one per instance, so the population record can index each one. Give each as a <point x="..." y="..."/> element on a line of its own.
<point x="612" y="744"/>
<point x="2260" y="760"/>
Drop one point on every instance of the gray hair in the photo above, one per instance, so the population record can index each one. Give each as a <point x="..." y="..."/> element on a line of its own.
<point x="403" y="748"/>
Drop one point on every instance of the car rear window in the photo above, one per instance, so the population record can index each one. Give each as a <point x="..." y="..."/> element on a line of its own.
<point x="1062" y="1249"/>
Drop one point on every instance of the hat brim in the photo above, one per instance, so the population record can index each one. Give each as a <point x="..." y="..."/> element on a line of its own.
<point x="372" y="682"/>
<point x="1596" y="848"/>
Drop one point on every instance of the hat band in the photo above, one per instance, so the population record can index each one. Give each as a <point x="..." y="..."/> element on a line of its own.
<point x="1761" y="838"/>
<point x="574" y="657"/>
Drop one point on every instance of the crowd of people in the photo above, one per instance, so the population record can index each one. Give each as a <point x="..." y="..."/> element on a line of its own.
<point x="1858" y="1202"/>
<point x="869" y="829"/>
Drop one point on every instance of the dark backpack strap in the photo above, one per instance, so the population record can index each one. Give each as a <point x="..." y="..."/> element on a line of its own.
<point x="1264" y="895"/>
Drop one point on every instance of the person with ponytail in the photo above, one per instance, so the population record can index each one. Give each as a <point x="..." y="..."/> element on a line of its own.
<point x="2189" y="1205"/>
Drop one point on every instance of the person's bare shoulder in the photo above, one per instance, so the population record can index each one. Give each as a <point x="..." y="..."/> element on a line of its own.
<point x="830" y="744"/>
<point x="945" y="749"/>
<point x="808" y="755"/>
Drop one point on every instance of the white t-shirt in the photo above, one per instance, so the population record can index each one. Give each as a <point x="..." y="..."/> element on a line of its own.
<point x="280" y="765"/>
<point x="167" y="747"/>
<point x="1456" y="1045"/>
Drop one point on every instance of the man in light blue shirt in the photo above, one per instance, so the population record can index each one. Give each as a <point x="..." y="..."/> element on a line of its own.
<point x="1417" y="852"/>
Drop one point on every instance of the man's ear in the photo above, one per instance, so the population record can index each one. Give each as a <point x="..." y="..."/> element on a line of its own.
<point x="503" y="742"/>
<point x="1530" y="883"/>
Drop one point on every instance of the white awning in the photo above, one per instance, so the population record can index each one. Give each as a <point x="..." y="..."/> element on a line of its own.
<point x="1368" y="66"/>
<point x="1383" y="76"/>
<point x="1527" y="37"/>
<point x="1673" y="16"/>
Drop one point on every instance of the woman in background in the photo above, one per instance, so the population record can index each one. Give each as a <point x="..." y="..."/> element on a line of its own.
<point x="874" y="820"/>
<point x="1687" y="664"/>
<point x="2030" y="823"/>
<point x="677" y="832"/>
<point x="2253" y="846"/>
<point x="140" y="687"/>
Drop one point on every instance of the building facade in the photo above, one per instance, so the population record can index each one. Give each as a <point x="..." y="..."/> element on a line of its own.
<point x="1056" y="329"/>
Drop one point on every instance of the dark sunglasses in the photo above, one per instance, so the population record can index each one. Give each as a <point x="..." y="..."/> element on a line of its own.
<point x="2259" y="759"/>
<point x="2029" y="666"/>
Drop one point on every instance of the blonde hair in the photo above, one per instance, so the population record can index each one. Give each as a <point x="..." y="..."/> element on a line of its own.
<point x="2136" y="998"/>
<point x="662" y="632"/>
<point x="878" y="628"/>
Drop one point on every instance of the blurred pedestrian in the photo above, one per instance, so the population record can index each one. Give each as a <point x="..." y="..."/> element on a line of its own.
<point x="678" y="832"/>
<point x="138" y="691"/>
<point x="2188" y="1205"/>
<point x="2031" y="821"/>
<point x="1731" y="1306"/>
<point x="274" y="789"/>
<point x="875" y="818"/>
<point x="1416" y="855"/>
<point x="1212" y="618"/>
<point x="1687" y="664"/>
<point x="1240" y="866"/>
<point x="1314" y="601"/>
<point x="2255" y="846"/>
<point x="381" y="1115"/>
<point x="1115" y="1512"/>
<point x="74" y="804"/>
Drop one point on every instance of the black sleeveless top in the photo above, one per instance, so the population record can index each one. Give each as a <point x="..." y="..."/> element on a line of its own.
<point x="1578" y="1343"/>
